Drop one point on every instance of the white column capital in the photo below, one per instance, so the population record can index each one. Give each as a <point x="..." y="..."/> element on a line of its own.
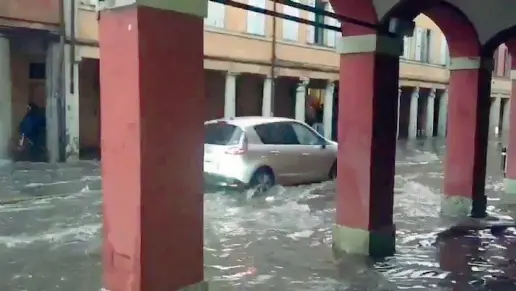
<point x="369" y="43"/>
<point x="471" y="63"/>
<point x="415" y="93"/>
<point x="432" y="93"/>
<point x="332" y="83"/>
<point x="513" y="74"/>
<point x="233" y="74"/>
<point x="303" y="82"/>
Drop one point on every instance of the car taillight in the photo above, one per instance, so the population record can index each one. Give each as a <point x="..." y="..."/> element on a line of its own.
<point x="240" y="149"/>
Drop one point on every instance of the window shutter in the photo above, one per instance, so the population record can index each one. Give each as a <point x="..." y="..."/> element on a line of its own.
<point x="419" y="43"/>
<point x="425" y="45"/>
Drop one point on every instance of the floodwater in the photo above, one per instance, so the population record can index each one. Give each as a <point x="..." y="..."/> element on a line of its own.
<point x="281" y="242"/>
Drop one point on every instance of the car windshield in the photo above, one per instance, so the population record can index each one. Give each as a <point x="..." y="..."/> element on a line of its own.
<point x="222" y="133"/>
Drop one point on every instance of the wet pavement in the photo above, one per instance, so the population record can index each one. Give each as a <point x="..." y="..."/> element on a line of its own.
<point x="281" y="242"/>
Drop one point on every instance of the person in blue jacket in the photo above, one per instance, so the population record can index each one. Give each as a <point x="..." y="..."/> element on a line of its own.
<point x="33" y="132"/>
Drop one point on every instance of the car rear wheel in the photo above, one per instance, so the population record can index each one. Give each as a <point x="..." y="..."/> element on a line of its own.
<point x="262" y="181"/>
<point x="333" y="171"/>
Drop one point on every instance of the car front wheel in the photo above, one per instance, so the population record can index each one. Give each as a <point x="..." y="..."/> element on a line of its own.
<point x="333" y="171"/>
<point x="262" y="181"/>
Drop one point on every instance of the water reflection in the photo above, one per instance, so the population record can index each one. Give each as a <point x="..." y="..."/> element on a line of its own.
<point x="280" y="242"/>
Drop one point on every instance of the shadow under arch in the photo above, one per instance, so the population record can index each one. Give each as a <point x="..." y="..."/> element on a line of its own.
<point x="507" y="36"/>
<point x="460" y="33"/>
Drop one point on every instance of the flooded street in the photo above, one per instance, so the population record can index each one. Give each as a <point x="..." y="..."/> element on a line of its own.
<point x="281" y="242"/>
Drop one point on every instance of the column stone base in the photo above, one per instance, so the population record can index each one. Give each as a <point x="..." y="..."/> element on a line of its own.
<point x="201" y="286"/>
<point x="509" y="186"/>
<point x="456" y="206"/>
<point x="355" y="241"/>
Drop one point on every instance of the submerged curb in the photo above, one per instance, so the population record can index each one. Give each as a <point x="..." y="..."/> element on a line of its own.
<point x="20" y="199"/>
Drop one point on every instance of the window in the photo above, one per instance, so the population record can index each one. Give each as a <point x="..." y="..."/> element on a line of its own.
<point x="508" y="65"/>
<point x="496" y="61"/>
<point x="506" y="62"/>
<point x="310" y="29"/>
<point x="331" y="35"/>
<point x="222" y="133"/>
<point x="425" y="46"/>
<point x="290" y="28"/>
<point x="256" y="21"/>
<point x="406" y="47"/>
<point x="445" y="54"/>
<point x="216" y="14"/>
<point x="280" y="133"/>
<point x="435" y="35"/>
<point x="305" y="135"/>
<point x="319" y="31"/>
<point x="419" y="43"/>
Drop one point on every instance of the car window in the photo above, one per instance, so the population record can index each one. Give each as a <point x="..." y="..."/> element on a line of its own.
<point x="222" y="133"/>
<point x="280" y="133"/>
<point x="305" y="135"/>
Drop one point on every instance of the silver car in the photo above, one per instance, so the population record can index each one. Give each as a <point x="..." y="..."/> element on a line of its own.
<point x="260" y="152"/>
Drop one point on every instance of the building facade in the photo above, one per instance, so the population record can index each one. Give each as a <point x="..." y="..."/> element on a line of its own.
<point x="254" y="65"/>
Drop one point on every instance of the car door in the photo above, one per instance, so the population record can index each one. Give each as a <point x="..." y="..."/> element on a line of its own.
<point x="278" y="152"/>
<point x="315" y="157"/>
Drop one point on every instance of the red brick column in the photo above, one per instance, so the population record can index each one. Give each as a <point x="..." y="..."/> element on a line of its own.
<point x="368" y="109"/>
<point x="468" y="128"/>
<point x="510" y="178"/>
<point x="152" y="98"/>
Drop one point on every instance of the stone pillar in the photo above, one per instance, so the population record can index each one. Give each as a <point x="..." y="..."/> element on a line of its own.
<point x="368" y="91"/>
<point x="69" y="135"/>
<point x="71" y="89"/>
<point x="153" y="184"/>
<point x="412" y="127"/>
<point x="55" y="102"/>
<point x="398" y="119"/>
<point x="510" y="178"/>
<point x="494" y="115"/>
<point x="468" y="130"/>
<point x="429" y="126"/>
<point x="328" y="109"/>
<point x="267" y="97"/>
<point x="300" y="112"/>
<point x="6" y="108"/>
<point x="230" y="95"/>
<point x="443" y="114"/>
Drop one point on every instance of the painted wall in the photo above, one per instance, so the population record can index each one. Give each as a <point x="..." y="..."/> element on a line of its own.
<point x="230" y="49"/>
<point x="37" y="14"/>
